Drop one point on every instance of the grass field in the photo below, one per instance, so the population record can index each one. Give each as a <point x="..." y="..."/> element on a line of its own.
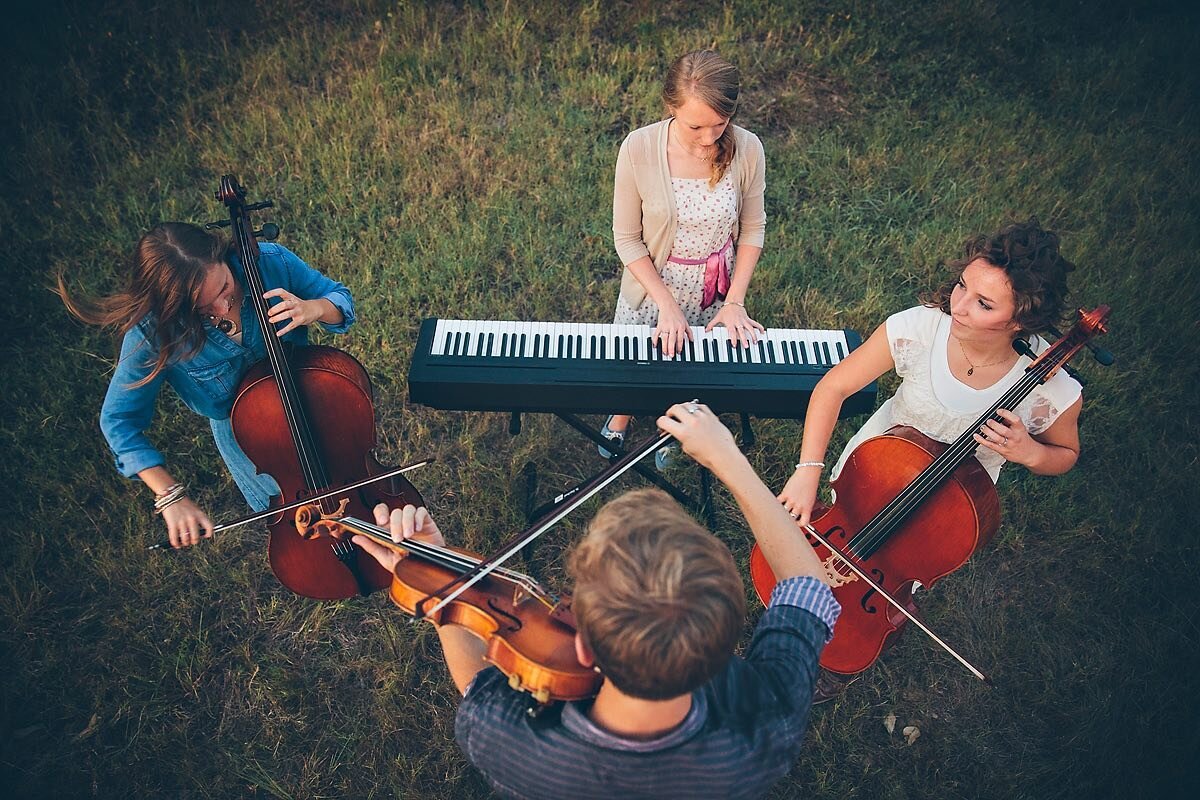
<point x="455" y="159"/>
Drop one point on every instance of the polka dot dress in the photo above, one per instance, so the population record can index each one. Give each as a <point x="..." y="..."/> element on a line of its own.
<point x="706" y="218"/>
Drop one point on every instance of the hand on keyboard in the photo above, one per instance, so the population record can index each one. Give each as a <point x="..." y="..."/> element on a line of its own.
<point x="672" y="330"/>
<point x="742" y="330"/>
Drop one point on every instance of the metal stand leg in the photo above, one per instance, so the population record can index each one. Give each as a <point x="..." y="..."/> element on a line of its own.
<point x="648" y="473"/>
<point x="747" y="432"/>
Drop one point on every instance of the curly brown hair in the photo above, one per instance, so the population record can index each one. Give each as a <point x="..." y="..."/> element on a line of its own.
<point x="1036" y="270"/>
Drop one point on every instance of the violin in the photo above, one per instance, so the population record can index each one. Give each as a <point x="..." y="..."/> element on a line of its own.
<point x="530" y="634"/>
<point x="910" y="510"/>
<point x="305" y="416"/>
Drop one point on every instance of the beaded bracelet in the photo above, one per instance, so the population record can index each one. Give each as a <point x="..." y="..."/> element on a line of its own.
<point x="820" y="464"/>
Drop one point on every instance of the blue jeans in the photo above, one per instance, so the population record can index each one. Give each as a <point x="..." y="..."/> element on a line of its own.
<point x="257" y="489"/>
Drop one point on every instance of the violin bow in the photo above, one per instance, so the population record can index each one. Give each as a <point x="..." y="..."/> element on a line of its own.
<point x="270" y="512"/>
<point x="900" y="607"/>
<point x="582" y="495"/>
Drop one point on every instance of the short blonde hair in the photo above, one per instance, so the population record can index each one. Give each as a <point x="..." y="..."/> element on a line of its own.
<point x="657" y="598"/>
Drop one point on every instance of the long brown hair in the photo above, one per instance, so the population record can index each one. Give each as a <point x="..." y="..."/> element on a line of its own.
<point x="715" y="82"/>
<point x="168" y="268"/>
<point x="1037" y="272"/>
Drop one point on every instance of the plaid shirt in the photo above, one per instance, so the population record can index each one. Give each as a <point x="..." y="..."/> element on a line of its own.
<point x="743" y="732"/>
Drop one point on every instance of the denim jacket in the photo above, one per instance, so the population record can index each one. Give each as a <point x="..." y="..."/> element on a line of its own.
<point x="207" y="381"/>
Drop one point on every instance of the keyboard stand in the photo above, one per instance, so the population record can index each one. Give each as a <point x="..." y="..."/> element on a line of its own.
<point x="701" y="505"/>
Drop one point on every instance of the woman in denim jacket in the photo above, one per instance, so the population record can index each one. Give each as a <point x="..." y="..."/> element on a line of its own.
<point x="187" y="320"/>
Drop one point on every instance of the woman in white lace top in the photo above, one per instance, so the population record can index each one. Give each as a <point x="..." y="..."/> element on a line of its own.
<point x="955" y="357"/>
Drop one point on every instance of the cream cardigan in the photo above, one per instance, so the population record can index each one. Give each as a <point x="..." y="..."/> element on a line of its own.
<point x="644" y="219"/>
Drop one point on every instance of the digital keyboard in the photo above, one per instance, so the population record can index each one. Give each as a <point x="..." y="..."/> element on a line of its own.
<point x="475" y="365"/>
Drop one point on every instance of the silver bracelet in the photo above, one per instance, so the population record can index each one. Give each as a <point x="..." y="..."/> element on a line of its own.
<point x="172" y="496"/>
<point x="735" y="303"/>
<point x="820" y="464"/>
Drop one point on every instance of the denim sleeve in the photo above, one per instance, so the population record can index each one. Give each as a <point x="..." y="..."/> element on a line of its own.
<point x="127" y="409"/>
<point x="306" y="282"/>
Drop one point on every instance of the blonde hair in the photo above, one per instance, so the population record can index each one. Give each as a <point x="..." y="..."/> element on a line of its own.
<point x="715" y="82"/>
<point x="657" y="598"/>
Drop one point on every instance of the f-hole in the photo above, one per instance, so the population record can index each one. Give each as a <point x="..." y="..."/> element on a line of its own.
<point x="514" y="624"/>
<point x="870" y="608"/>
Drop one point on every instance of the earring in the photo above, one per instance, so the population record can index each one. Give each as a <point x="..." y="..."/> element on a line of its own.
<point x="596" y="668"/>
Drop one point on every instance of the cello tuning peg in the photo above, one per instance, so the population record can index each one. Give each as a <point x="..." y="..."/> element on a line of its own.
<point x="221" y="223"/>
<point x="269" y="231"/>
<point x="1022" y="347"/>
<point x="1104" y="357"/>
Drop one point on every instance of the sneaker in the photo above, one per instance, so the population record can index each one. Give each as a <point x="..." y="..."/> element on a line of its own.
<point x="666" y="456"/>
<point x="612" y="436"/>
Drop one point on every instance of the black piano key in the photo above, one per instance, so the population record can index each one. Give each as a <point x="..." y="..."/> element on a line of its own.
<point x="491" y="343"/>
<point x="762" y="351"/>
<point x="522" y="353"/>
<point x="825" y="350"/>
<point x="841" y="352"/>
<point x="561" y="346"/>
<point x="479" y="345"/>
<point x="579" y="345"/>
<point x="446" y="346"/>
<point x="771" y="352"/>
<point x="603" y="341"/>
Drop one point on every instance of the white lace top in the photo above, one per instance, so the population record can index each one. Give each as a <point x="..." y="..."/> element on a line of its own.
<point x="936" y="403"/>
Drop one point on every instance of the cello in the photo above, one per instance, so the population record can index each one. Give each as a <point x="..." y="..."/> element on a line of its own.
<point x="910" y="510"/>
<point x="304" y="416"/>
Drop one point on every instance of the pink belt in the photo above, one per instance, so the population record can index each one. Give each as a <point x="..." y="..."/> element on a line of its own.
<point x="716" y="273"/>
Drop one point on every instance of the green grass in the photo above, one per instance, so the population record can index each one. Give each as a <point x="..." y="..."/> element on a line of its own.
<point x="456" y="160"/>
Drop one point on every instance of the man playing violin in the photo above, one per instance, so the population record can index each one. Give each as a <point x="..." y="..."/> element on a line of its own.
<point x="660" y="606"/>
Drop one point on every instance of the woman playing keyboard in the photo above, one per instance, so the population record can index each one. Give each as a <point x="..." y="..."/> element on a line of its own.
<point x="688" y="197"/>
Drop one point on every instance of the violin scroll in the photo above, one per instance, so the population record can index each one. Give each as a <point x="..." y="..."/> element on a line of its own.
<point x="313" y="523"/>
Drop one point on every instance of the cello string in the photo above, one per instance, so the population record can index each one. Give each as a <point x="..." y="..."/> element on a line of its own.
<point x="883" y="524"/>
<point x="301" y="434"/>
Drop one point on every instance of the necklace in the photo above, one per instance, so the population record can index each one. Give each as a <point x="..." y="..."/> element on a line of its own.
<point x="231" y="328"/>
<point x="685" y="149"/>
<point x="975" y="366"/>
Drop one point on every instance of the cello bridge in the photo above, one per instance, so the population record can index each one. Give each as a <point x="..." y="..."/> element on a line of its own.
<point x="834" y="575"/>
